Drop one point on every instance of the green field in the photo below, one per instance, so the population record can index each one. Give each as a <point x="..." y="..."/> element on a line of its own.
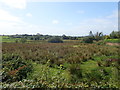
<point x="8" y="39"/>
<point x="112" y="40"/>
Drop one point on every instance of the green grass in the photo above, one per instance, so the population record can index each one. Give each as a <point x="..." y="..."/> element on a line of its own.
<point x="76" y="45"/>
<point x="8" y="39"/>
<point x="41" y="71"/>
<point x="88" y="66"/>
<point x="101" y="58"/>
<point x="112" y="40"/>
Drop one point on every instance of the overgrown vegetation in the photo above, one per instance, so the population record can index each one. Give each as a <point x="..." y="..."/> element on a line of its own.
<point x="61" y="65"/>
<point x="55" y="40"/>
<point x="14" y="68"/>
<point x="75" y="62"/>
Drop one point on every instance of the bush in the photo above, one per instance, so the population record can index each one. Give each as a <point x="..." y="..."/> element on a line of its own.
<point x="14" y="68"/>
<point x="55" y="40"/>
<point x="88" y="40"/>
<point x="23" y="40"/>
<point x="101" y="42"/>
<point x="112" y="40"/>
<point x="75" y="72"/>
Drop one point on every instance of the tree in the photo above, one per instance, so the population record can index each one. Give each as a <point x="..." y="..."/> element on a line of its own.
<point x="98" y="36"/>
<point x="88" y="40"/>
<point x="106" y="37"/>
<point x="115" y="34"/>
<point x="23" y="40"/>
<point x="65" y="37"/>
<point x="16" y="40"/>
<point x="55" y="40"/>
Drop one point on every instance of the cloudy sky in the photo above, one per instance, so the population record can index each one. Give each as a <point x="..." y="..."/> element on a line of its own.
<point x="57" y="18"/>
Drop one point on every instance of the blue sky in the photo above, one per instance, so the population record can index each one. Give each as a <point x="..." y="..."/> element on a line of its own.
<point x="57" y="18"/>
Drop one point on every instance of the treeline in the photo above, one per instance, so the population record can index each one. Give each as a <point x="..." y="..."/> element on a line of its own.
<point x="97" y="35"/>
<point x="100" y="36"/>
<point x="43" y="37"/>
<point x="114" y="34"/>
<point x="58" y="39"/>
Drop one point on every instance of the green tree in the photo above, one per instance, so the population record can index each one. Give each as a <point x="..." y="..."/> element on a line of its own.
<point x="88" y="40"/>
<point x="65" y="37"/>
<point x="98" y="36"/>
<point x="55" y="40"/>
<point x="115" y="34"/>
<point x="23" y="40"/>
<point x="16" y="40"/>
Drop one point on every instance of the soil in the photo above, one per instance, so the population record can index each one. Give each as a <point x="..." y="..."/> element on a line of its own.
<point x="113" y="44"/>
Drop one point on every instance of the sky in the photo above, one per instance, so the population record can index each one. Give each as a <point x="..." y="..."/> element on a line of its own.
<point x="57" y="18"/>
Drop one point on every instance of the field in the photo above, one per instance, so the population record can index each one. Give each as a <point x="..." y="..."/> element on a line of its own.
<point x="60" y="65"/>
<point x="8" y="39"/>
<point x="113" y="40"/>
<point x="59" y="44"/>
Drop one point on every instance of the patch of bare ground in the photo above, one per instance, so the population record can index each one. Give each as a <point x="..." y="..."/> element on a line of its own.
<point x="113" y="44"/>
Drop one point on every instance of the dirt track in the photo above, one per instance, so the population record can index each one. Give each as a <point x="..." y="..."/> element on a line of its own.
<point x="113" y="44"/>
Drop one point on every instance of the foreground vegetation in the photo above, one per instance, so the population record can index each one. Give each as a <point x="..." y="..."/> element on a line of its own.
<point x="61" y="63"/>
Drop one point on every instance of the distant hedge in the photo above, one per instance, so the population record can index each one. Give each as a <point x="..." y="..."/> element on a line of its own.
<point x="55" y="40"/>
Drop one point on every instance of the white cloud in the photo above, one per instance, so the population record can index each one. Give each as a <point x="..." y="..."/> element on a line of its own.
<point x="17" y="28"/>
<point x="6" y="16"/>
<point x="105" y="25"/>
<point x="29" y="15"/>
<point x="20" y="4"/>
<point x="9" y="23"/>
<point x="55" y="21"/>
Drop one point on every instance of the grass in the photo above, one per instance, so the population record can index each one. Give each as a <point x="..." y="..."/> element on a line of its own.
<point x="74" y="72"/>
<point x="112" y="40"/>
<point x="88" y="66"/>
<point x="39" y="72"/>
<point x="102" y="58"/>
<point x="71" y="41"/>
<point x="8" y="39"/>
<point x="75" y="45"/>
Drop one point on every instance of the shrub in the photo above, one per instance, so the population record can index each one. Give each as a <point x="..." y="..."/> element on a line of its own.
<point x="88" y="40"/>
<point x="101" y="42"/>
<point x="23" y="40"/>
<point x="14" y="68"/>
<point x="55" y="40"/>
<point x="76" y="73"/>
